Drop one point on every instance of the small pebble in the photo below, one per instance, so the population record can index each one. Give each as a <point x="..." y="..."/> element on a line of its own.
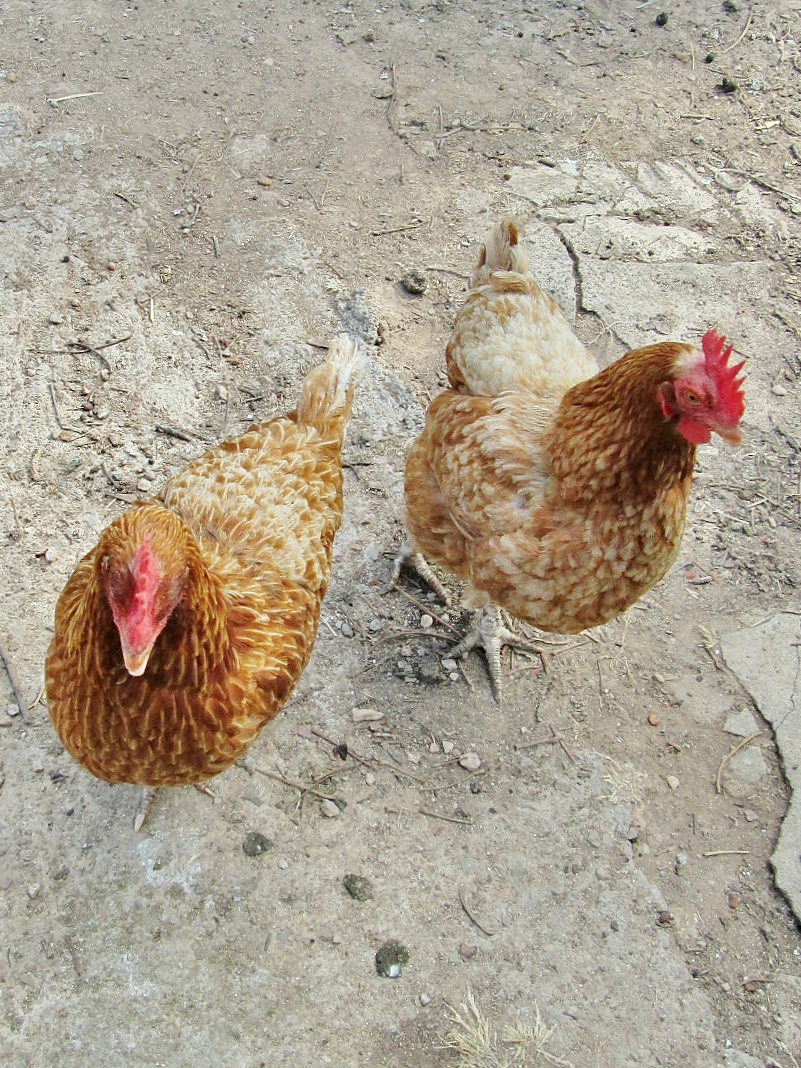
<point x="336" y="940"/>
<point x="222" y="392"/>
<point x="672" y="782"/>
<point x="734" y="900"/>
<point x="776" y="390"/>
<point x="256" y="844"/>
<point x="681" y="860"/>
<point x="424" y="1000"/>
<point x="77" y="154"/>
<point x="347" y="630"/>
<point x="112" y="266"/>
<point x="390" y="958"/>
<point x="144" y="485"/>
<point x="283" y="865"/>
<point x="358" y="886"/>
<point x="467" y="952"/>
<point x="375" y="624"/>
<point x="653" y="720"/>
<point x="367" y="715"/>
<point x="426" y="621"/>
<point x="11" y="76"/>
<point x="33" y="890"/>
<point x="55" y="319"/>
<point x="283" y="202"/>
<point x="470" y="761"/>
<point x="661" y="19"/>
<point x="449" y="665"/>
<point x="415" y="282"/>
<point x="369" y="778"/>
<point x="447" y="747"/>
<point x="658" y="678"/>
<point x="12" y="710"/>
<point x="454" y="676"/>
<point x="750" y="815"/>
<point x="265" y="182"/>
<point x="329" y="808"/>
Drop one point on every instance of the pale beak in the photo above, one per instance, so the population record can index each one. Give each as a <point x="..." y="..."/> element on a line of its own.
<point x="731" y="434"/>
<point x="135" y="660"/>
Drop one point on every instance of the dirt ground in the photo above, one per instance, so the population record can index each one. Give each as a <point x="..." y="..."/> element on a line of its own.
<point x="191" y="197"/>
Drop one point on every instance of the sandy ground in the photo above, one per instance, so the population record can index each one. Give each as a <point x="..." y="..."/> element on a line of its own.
<point x="191" y="198"/>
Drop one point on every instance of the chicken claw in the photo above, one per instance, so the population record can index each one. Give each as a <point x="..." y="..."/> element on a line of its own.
<point x="146" y="799"/>
<point x="490" y="633"/>
<point x="414" y="561"/>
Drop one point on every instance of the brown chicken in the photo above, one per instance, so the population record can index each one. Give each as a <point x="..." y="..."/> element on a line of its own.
<point x="553" y="489"/>
<point x="186" y="628"/>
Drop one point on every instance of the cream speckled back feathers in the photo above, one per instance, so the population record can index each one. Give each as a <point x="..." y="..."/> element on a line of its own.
<point x="509" y="334"/>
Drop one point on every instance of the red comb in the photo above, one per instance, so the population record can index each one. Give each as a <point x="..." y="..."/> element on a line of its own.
<point x="730" y="392"/>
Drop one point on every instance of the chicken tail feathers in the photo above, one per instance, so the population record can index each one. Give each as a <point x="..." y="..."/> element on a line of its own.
<point x="327" y="392"/>
<point x="500" y="252"/>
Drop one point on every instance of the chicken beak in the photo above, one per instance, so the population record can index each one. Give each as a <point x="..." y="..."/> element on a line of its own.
<point x="731" y="434"/>
<point x="135" y="660"/>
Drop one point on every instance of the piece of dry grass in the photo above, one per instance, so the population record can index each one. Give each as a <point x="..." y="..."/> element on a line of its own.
<point x="624" y="782"/>
<point x="478" y="1044"/>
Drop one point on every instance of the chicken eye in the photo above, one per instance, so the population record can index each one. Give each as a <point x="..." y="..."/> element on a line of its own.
<point x="692" y="398"/>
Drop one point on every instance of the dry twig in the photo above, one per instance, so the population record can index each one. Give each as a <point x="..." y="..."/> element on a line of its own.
<point x="14" y="679"/>
<point x="470" y="916"/>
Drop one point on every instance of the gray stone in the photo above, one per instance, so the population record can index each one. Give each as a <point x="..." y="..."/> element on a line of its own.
<point x="704" y="701"/>
<point x="741" y="724"/>
<point x="766" y="660"/>
<point x="552" y="266"/>
<point x="735" y="1058"/>
<point x="748" y="766"/>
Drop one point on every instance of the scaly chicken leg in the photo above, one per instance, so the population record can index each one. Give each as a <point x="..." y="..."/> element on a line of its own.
<point x="490" y="633"/>
<point x="409" y="558"/>
<point x="488" y="630"/>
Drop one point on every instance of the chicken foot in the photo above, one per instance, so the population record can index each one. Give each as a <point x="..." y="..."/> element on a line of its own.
<point x="408" y="557"/>
<point x="490" y="633"/>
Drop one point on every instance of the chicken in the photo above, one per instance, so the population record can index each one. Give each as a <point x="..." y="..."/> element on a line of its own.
<point x="186" y="628"/>
<point x="552" y="489"/>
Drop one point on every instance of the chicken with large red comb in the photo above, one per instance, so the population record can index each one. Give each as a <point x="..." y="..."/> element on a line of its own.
<point x="552" y="489"/>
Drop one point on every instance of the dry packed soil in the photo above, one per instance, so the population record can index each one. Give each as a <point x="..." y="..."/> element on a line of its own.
<point x="193" y="198"/>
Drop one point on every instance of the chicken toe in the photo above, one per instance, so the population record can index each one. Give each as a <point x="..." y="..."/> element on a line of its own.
<point x="490" y="633"/>
<point x="146" y="799"/>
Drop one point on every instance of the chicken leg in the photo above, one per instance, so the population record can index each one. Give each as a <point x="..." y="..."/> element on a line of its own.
<point x="408" y="557"/>
<point x="148" y="796"/>
<point x="489" y="632"/>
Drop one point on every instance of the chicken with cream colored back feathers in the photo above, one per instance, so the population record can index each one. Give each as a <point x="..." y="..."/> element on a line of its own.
<point x="552" y="489"/>
<point x="186" y="628"/>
